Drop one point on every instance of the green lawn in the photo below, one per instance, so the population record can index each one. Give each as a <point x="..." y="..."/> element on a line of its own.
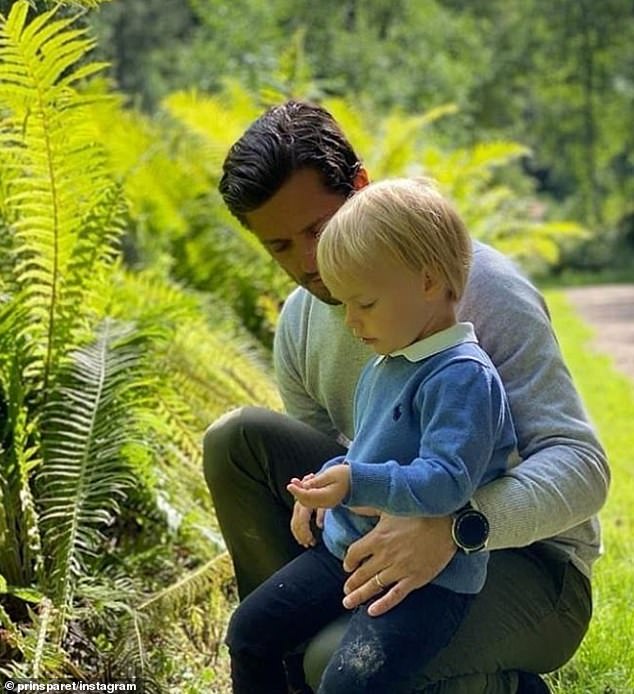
<point x="605" y="662"/>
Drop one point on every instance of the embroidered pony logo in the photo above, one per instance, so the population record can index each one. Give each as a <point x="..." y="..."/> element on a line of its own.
<point x="397" y="412"/>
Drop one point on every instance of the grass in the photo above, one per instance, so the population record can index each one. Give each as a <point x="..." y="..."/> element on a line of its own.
<point x="605" y="662"/>
<point x="578" y="278"/>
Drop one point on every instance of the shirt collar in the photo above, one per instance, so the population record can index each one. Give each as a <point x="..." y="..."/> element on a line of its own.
<point x="438" y="342"/>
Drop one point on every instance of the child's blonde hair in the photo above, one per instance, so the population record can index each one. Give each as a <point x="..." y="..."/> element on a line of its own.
<point x="405" y="219"/>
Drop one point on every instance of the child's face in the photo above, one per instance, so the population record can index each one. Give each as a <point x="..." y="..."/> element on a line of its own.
<point x="394" y="307"/>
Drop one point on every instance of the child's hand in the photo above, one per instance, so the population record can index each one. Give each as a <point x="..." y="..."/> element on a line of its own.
<point x="300" y="521"/>
<point x="300" y="524"/>
<point x="324" y="490"/>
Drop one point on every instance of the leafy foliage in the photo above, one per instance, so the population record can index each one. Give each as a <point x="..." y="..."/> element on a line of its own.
<point x="87" y="425"/>
<point x="106" y="377"/>
<point x="554" y="76"/>
<point x="57" y="184"/>
<point x="495" y="200"/>
<point x="168" y="166"/>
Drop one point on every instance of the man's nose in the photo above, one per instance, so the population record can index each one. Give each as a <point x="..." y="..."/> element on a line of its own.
<point x="308" y="256"/>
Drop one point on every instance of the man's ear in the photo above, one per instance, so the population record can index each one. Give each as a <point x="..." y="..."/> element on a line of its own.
<point x="361" y="179"/>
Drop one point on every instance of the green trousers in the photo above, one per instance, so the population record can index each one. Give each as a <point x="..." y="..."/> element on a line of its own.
<point x="531" y="615"/>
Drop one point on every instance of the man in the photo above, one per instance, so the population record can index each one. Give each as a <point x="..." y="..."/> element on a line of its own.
<point x="285" y="177"/>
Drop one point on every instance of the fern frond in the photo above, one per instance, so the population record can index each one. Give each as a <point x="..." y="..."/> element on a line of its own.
<point x="398" y="139"/>
<point x="466" y="171"/>
<point x="187" y="589"/>
<point x="20" y="543"/>
<point x="189" y="616"/>
<point x="95" y="250"/>
<point x="204" y="354"/>
<point x="86" y="427"/>
<point x="39" y="656"/>
<point x="57" y="173"/>
<point x="46" y="608"/>
<point x="217" y="120"/>
<point x="46" y="46"/>
<point x="235" y="379"/>
<point x="533" y="243"/>
<point x="203" y="365"/>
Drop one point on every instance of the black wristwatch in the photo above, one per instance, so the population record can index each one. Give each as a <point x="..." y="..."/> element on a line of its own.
<point x="470" y="529"/>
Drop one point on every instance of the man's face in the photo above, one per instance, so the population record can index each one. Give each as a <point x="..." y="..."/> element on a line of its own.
<point x="289" y="223"/>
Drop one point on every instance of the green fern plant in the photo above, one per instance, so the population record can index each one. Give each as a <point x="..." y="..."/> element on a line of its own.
<point x="206" y="364"/>
<point x="503" y="214"/>
<point x="219" y="254"/>
<point x="498" y="212"/>
<point x="88" y="428"/>
<point x="194" y="608"/>
<point x="62" y="217"/>
<point x="55" y="179"/>
<point x="107" y="378"/>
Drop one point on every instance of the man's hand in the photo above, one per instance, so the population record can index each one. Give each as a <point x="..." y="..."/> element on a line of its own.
<point x="405" y="553"/>
<point x="323" y="490"/>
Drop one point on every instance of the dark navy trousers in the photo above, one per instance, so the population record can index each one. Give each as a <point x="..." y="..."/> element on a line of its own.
<point x="377" y="654"/>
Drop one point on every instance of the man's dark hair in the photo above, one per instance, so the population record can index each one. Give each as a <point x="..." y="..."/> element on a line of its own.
<point x="295" y="135"/>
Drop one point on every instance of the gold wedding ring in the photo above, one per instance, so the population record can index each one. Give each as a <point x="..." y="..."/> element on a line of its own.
<point x="379" y="582"/>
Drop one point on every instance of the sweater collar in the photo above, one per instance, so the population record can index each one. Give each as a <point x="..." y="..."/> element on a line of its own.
<point x="438" y="342"/>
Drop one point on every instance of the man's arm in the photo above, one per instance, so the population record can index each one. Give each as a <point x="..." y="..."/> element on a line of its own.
<point x="290" y="381"/>
<point x="564" y="476"/>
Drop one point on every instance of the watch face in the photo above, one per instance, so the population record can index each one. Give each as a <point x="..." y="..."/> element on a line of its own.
<point x="473" y="530"/>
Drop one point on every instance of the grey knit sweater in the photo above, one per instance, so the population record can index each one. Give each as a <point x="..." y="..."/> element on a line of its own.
<point x="562" y="480"/>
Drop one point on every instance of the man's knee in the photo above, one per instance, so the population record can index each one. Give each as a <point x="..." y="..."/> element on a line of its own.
<point x="224" y="438"/>
<point x="241" y="637"/>
<point x="251" y="632"/>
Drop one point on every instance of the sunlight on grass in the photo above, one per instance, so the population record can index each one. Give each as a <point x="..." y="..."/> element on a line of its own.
<point x="605" y="662"/>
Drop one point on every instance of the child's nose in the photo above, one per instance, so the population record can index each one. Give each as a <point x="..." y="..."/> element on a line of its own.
<point x="351" y="319"/>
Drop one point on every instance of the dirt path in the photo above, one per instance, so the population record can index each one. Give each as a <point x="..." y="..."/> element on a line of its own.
<point x="609" y="309"/>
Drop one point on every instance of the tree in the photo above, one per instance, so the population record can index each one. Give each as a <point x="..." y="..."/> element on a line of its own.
<point x="561" y="83"/>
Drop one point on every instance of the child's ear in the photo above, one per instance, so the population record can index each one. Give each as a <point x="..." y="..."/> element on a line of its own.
<point x="430" y="282"/>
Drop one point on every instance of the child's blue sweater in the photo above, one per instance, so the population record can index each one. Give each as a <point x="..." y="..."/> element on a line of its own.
<point x="432" y="423"/>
